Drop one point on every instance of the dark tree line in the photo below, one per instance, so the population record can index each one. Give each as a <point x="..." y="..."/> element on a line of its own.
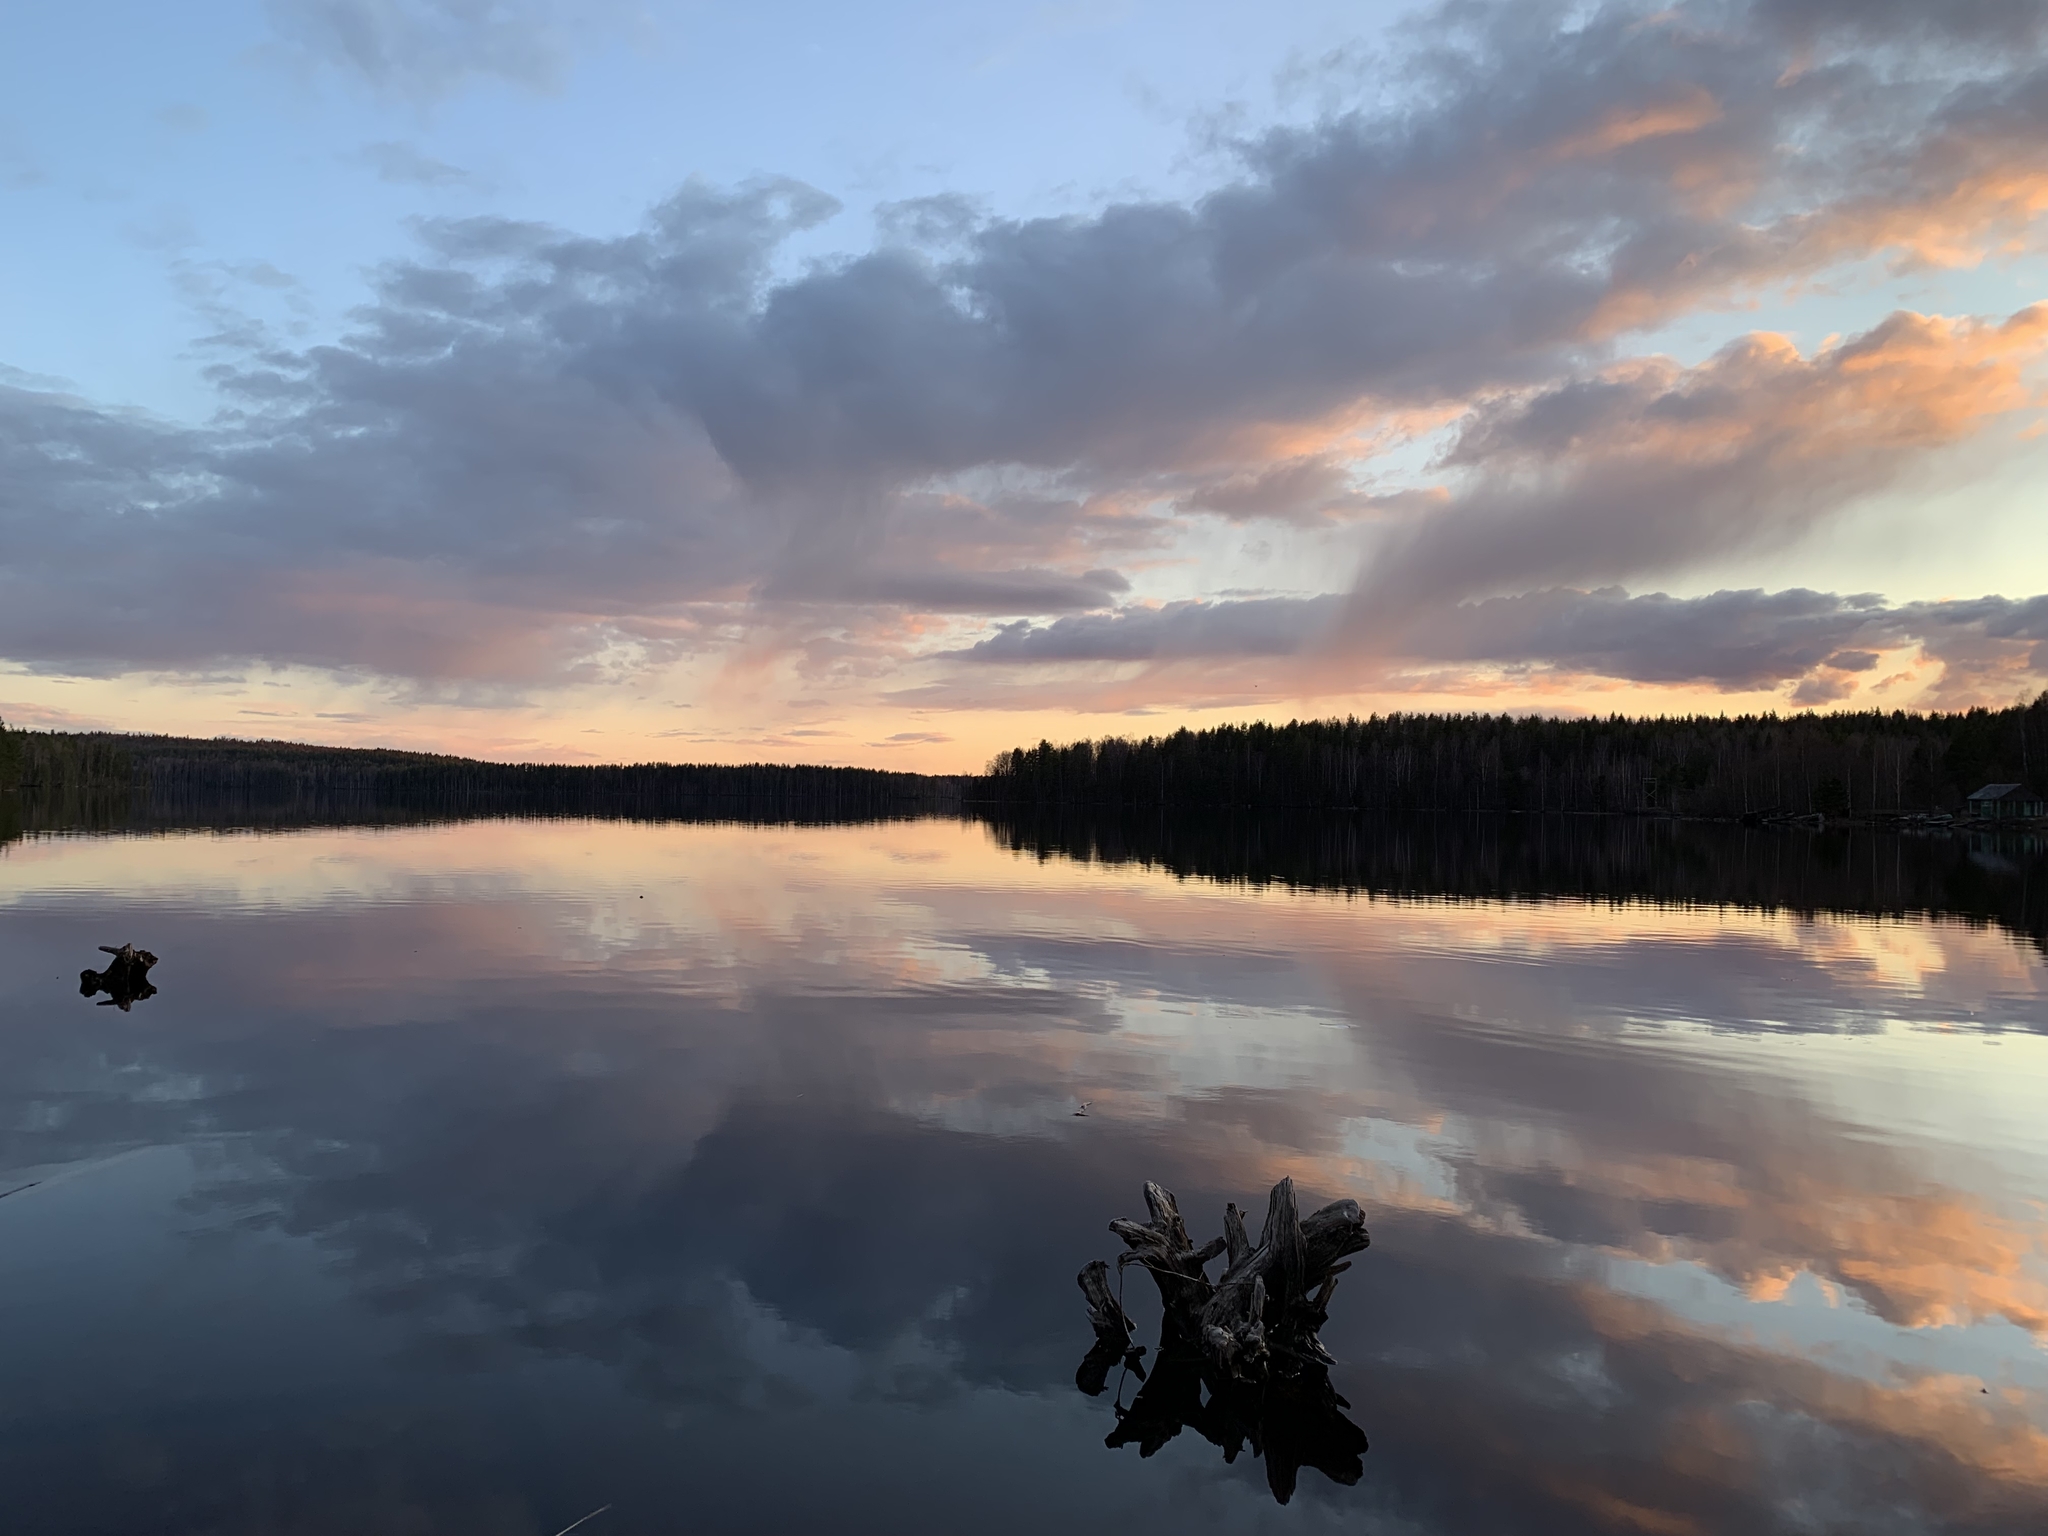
<point x="1754" y="765"/>
<point x="106" y="779"/>
<point x="54" y="759"/>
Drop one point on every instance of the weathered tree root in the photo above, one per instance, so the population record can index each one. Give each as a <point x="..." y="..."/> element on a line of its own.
<point x="1251" y="1337"/>
<point x="125" y="981"/>
<point x="1264" y="1315"/>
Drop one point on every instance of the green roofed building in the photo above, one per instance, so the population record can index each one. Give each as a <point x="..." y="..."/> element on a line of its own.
<point x="2006" y="802"/>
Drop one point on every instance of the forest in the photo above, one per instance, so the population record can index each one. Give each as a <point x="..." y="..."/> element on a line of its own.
<point x="103" y="779"/>
<point x="33" y="759"/>
<point x="1755" y="766"/>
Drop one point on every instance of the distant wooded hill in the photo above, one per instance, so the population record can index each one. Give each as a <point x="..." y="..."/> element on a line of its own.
<point x="1702" y="765"/>
<point x="176" y="777"/>
<point x="1855" y="764"/>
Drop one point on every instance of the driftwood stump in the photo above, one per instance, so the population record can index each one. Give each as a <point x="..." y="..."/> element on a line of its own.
<point x="1251" y="1337"/>
<point x="1263" y="1315"/>
<point x="125" y="980"/>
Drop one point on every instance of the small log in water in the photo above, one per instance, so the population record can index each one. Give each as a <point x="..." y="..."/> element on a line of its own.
<point x="124" y="981"/>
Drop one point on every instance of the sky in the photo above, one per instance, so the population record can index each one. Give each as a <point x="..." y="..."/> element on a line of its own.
<point x="585" y="380"/>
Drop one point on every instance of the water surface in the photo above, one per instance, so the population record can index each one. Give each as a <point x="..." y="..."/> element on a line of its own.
<point x="468" y="1178"/>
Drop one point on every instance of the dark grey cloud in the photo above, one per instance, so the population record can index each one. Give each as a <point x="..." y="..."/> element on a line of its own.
<point x="540" y="455"/>
<point x="1287" y="490"/>
<point x="1733" y="640"/>
<point x="1964" y="21"/>
<point x="1261" y="626"/>
<point x="1018" y="591"/>
<point x="1314" y="488"/>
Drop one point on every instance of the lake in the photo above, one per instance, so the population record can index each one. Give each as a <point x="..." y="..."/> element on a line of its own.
<point x="474" y="1177"/>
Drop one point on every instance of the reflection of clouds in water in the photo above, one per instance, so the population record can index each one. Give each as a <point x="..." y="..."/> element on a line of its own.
<point x="1732" y="969"/>
<point x="1915" y="1253"/>
<point x="794" y="1129"/>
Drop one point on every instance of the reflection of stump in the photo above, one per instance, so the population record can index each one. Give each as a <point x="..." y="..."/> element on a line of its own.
<point x="1250" y="1338"/>
<point x="1113" y="1345"/>
<point x="1290" y="1424"/>
<point x="124" y="981"/>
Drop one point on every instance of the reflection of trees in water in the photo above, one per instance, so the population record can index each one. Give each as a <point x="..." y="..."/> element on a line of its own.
<point x="2001" y="879"/>
<point x="1249" y="1340"/>
<point x="1979" y="876"/>
<point x="63" y="808"/>
<point x="284" y="805"/>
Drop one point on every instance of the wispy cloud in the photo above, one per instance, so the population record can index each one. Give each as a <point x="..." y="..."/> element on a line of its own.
<point x="404" y="165"/>
<point x="424" y="50"/>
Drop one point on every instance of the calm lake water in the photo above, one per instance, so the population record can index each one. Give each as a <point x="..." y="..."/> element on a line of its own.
<point x="469" y="1178"/>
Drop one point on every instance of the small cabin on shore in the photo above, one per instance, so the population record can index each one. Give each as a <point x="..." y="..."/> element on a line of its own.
<point x="2006" y="802"/>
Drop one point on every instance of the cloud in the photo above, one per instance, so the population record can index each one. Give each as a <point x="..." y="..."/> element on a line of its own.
<point x="20" y="166"/>
<point x="545" y="457"/>
<point x="1313" y="488"/>
<point x="1649" y="466"/>
<point x="182" y="117"/>
<point x="1736" y="641"/>
<point x="424" y="50"/>
<point x="939" y="590"/>
<point x="402" y="164"/>
<point x="1269" y="626"/>
<point x="1960" y="21"/>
